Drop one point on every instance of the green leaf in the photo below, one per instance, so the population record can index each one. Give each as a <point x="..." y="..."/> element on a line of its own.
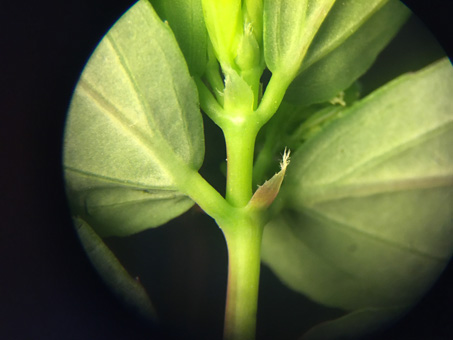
<point x="134" y="129"/>
<point x="128" y="289"/>
<point x="118" y="208"/>
<point x="369" y="218"/>
<point x="185" y="18"/>
<point x="288" y="29"/>
<point x="347" y="44"/>
<point x="225" y="27"/>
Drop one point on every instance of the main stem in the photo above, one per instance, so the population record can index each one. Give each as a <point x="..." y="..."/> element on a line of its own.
<point x="244" y="245"/>
<point x="242" y="232"/>
<point x="241" y="223"/>
<point x="240" y="142"/>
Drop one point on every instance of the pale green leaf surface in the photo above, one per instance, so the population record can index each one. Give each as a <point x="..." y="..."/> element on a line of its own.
<point x="120" y="209"/>
<point x="346" y="45"/>
<point x="185" y="18"/>
<point x="370" y="222"/>
<point x="343" y="20"/>
<point x="134" y="126"/>
<point x="288" y="29"/>
<point x="344" y="269"/>
<point x="128" y="289"/>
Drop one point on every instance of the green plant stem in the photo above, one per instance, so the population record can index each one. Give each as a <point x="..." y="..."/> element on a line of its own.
<point x="244" y="244"/>
<point x="240" y="138"/>
<point x="209" y="104"/>
<point x="199" y="190"/>
<point x="244" y="230"/>
<point x="242" y="227"/>
<point x="273" y="96"/>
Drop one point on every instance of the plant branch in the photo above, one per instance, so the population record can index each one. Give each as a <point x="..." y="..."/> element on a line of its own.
<point x="209" y="104"/>
<point x="273" y="96"/>
<point x="199" y="190"/>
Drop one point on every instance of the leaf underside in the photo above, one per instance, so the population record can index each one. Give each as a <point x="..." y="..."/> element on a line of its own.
<point x="347" y="44"/>
<point x="185" y="18"/>
<point x="134" y="127"/>
<point x="368" y="219"/>
<point x="288" y="30"/>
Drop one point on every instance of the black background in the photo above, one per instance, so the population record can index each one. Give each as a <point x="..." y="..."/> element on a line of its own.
<point x="48" y="289"/>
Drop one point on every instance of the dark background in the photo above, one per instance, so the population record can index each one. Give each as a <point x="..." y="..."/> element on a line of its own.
<point x="48" y="289"/>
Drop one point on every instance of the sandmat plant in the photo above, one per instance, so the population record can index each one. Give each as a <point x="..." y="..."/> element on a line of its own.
<point x="345" y="195"/>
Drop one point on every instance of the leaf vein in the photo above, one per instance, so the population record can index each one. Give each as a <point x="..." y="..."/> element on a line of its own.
<point x="395" y="150"/>
<point x="131" y="184"/>
<point x="332" y="223"/>
<point x="117" y="117"/>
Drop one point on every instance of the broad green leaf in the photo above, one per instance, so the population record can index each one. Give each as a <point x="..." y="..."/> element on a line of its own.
<point x="134" y="128"/>
<point x="369" y="219"/>
<point x="185" y="18"/>
<point x="118" y="208"/>
<point x="288" y="29"/>
<point x="347" y="44"/>
<point x="128" y="289"/>
<point x="343" y="20"/>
